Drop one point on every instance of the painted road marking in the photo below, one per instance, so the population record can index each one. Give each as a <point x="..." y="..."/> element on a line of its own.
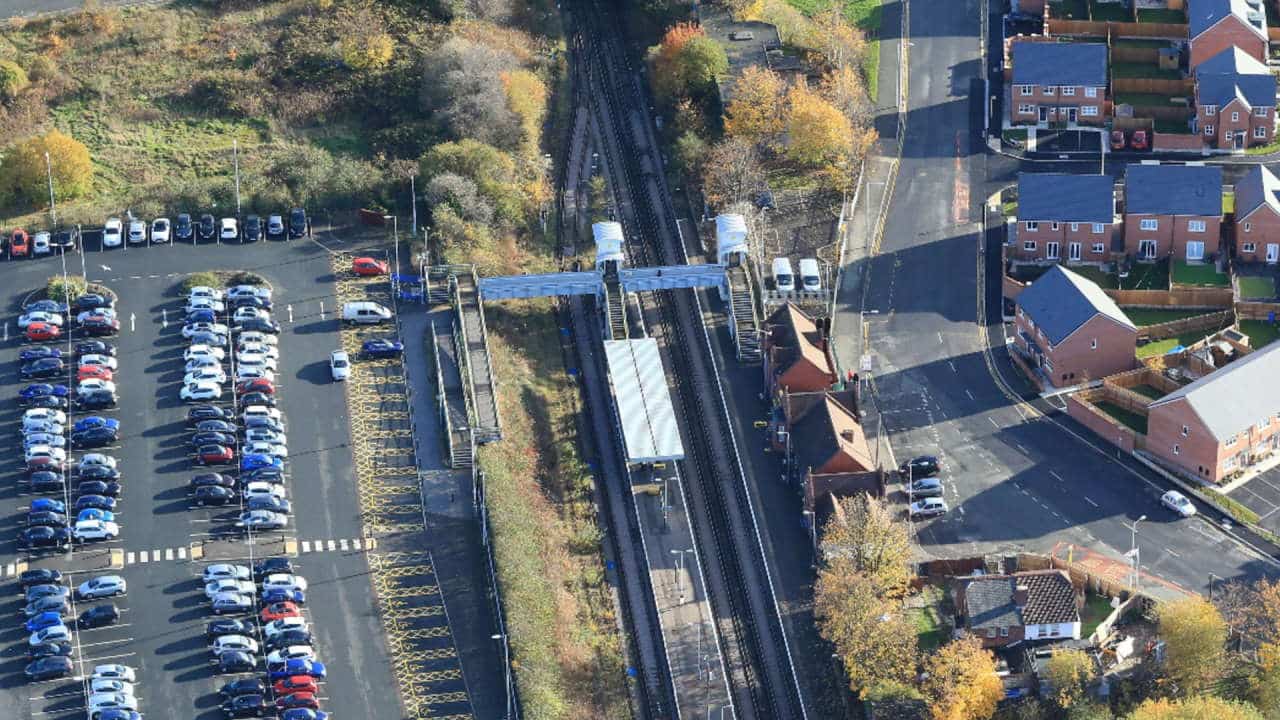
<point x="322" y="310"/>
<point x="1091" y="502"/>
<point x="1172" y="553"/>
<point x="970" y="394"/>
<point x="993" y="422"/>
<point x="1056" y="475"/>
<point x="133" y="319"/>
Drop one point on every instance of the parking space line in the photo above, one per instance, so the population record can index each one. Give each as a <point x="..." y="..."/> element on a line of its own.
<point x="1091" y="502"/>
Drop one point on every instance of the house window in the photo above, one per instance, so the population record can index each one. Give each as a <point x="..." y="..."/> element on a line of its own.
<point x="991" y="632"/>
<point x="1091" y="92"/>
<point x="1004" y="632"/>
<point x="1248" y="247"/>
<point x="1208" y="129"/>
<point x="1093" y="344"/>
<point x="1210" y="109"/>
<point x="1149" y="224"/>
<point x="1075" y="227"/>
<point x="1090" y="110"/>
<point x="1235" y="117"/>
<point x="1185" y="431"/>
<point x="1029" y="245"/>
<point x="1097" y="228"/>
<point x="1177" y="449"/>
<point x="1054" y="631"/>
<point x="1028" y="89"/>
<point x="1053" y="226"/>
<point x="1248" y="226"/>
<point x="1229" y="463"/>
<point x="1195" y="225"/>
<point x="1051" y="250"/>
<point x="1068" y="91"/>
<point x="1099" y="248"/>
<point x="1261" y="112"/>
<point x="1260" y="131"/>
<point x="1232" y="440"/>
<point x="1032" y="226"/>
<point x="1025" y="109"/>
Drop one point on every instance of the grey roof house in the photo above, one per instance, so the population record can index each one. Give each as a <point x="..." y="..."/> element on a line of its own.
<point x="1162" y="189"/>
<point x="1231" y="400"/>
<point x="1202" y="15"/>
<point x="1257" y="188"/>
<point x="1064" y="197"/>
<point x="1234" y="75"/>
<point x="1025" y="606"/>
<point x="1061" y="301"/>
<point x="1059" y="64"/>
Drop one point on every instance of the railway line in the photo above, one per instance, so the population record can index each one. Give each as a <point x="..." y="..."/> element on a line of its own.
<point x="752" y="639"/>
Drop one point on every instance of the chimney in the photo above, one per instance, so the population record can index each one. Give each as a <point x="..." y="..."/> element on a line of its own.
<point x="847" y="435"/>
<point x="1020" y="593"/>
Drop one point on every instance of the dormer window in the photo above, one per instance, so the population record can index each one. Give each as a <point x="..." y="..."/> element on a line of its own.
<point x="1028" y="89"/>
<point x="1210" y="109"/>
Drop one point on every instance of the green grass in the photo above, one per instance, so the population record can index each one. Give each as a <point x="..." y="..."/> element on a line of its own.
<point x="1148" y="391"/>
<point x="1110" y="11"/>
<point x="930" y="632"/>
<point x="1142" y="43"/>
<point x="1015" y="135"/>
<point x="1258" y="288"/>
<point x="1161" y="347"/>
<point x="1205" y="275"/>
<point x="1143" y="317"/>
<point x="1172" y="127"/>
<point x="1263" y="149"/>
<point x="1261" y="333"/>
<point x="1148" y="276"/>
<point x="866" y="15"/>
<point x="1131" y="420"/>
<point x="1143" y="70"/>
<point x="1162" y="15"/>
<point x="1104" y="280"/>
<point x="1146" y="100"/>
<point x="1234" y="508"/>
<point x="1096" y="609"/>
<point x="1073" y="9"/>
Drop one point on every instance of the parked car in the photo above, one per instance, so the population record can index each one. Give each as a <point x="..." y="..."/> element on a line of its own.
<point x="236" y="662"/>
<point x="43" y="332"/>
<point x="112" y="233"/>
<point x="41" y="244"/>
<point x="65" y="240"/>
<point x="1139" y="140"/>
<point x="98" y="616"/>
<point x="1178" y="503"/>
<point x="297" y="223"/>
<point x="206" y="229"/>
<point x="228" y="230"/>
<point x="101" y="586"/>
<point x="275" y="227"/>
<point x="229" y="626"/>
<point x="929" y="507"/>
<point x="920" y="467"/>
<point x="230" y="602"/>
<point x="48" y="668"/>
<point x="252" y="229"/>
<point x="369" y="267"/>
<point x="381" y="348"/>
<point x="137" y="232"/>
<point x="1118" y="141"/>
<point x="182" y="228"/>
<point x="19" y="244"/>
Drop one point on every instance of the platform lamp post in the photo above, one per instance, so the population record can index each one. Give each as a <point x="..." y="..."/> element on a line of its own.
<point x="680" y="570"/>
<point x="813" y="533"/>
<point x="506" y="664"/>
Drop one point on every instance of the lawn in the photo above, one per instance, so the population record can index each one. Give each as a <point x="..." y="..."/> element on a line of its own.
<point x="1105" y="280"/>
<point x="1143" y="318"/>
<point x="1148" y="391"/>
<point x="1072" y="9"/>
<point x="1131" y="420"/>
<point x="1143" y="70"/>
<point x="1206" y="275"/>
<point x="1148" y="276"/>
<point x="1257" y="288"/>
<point x="1161" y="347"/>
<point x="1261" y="333"/>
<point x="1173" y="127"/>
<point x="1017" y="136"/>
<point x="1162" y="15"/>
<point x="1096" y="609"/>
<point x="930" y="633"/>
<point x="1147" y="100"/>
<point x="1116" y="12"/>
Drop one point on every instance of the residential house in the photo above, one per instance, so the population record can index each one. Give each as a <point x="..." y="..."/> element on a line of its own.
<point x="1235" y="100"/>
<point x="1257" y="215"/>
<point x="1058" y="82"/>
<point x="1216" y="25"/>
<point x="1223" y="423"/>
<point x="826" y="447"/>
<point x="797" y="352"/>
<point x="1007" y="609"/>
<point x="1034" y="8"/>
<point x="1063" y="216"/>
<point x="1172" y="210"/>
<point x="1070" y="331"/>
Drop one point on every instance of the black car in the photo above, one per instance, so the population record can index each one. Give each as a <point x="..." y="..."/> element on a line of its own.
<point x="267" y="474"/>
<point x="98" y="616"/>
<point x="216" y="426"/>
<point x="272" y="566"/>
<point x="98" y="328"/>
<point x="94" y="437"/>
<point x="920" y="467"/>
<point x="98" y="487"/>
<point x="39" y="576"/>
<point x="98" y="502"/>
<point x="51" y="402"/>
<point x="268" y="502"/>
<point x="49" y="668"/>
<point x="230" y="627"/>
<point x="40" y="352"/>
<point x="200" y="413"/>
<point x="94" y="347"/>
<point x="207" y="338"/>
<point x="45" y="368"/>
<point x="50" y="649"/>
<point x="297" y="223"/>
<point x="96" y="400"/>
<point x="206" y="228"/>
<point x="257" y="398"/>
<point x="259" y="324"/>
<point x="264" y="422"/>
<point x="63" y="241"/>
<point x="236" y="662"/>
<point x="243" y="686"/>
<point x="213" y="495"/>
<point x="90" y="301"/>
<point x="245" y="706"/>
<point x="44" y="537"/>
<point x="213" y="479"/>
<point x="51" y="519"/>
<point x="42" y="481"/>
<point x="252" y="229"/>
<point x="212" y="438"/>
<point x="252" y="301"/>
<point x="288" y="638"/>
<point x="99" y="472"/>
<point x="182" y="229"/>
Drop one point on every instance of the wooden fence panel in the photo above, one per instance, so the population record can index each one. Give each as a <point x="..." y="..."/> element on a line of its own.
<point x="1120" y="53"/>
<point x="1215" y="298"/>
<point x="1210" y="321"/>
<point x="1155" y="86"/>
<point x="1173" y="31"/>
<point x="1256" y="310"/>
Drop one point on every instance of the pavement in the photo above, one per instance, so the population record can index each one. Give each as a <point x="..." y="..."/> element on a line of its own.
<point x="1261" y="494"/>
<point x="1019" y="479"/>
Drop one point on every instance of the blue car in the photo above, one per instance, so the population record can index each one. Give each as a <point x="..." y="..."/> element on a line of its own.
<point x="119" y="714"/>
<point x="46" y="305"/>
<point x="202" y="316"/>
<point x="275" y="595"/>
<point x="304" y="714"/>
<point x="95" y="421"/>
<point x="48" y="505"/>
<point x="93" y="513"/>
<point x="382" y="348"/>
<point x="95" y="501"/>
<point x="44" y="620"/>
<point x="299" y="666"/>
<point x="257" y="461"/>
<point x="39" y="353"/>
<point x="36" y="390"/>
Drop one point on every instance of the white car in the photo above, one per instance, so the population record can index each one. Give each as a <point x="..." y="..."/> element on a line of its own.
<point x="253" y="337"/>
<point x="227" y="229"/>
<point x="160" y="230"/>
<point x="258" y="348"/>
<point x="284" y="581"/>
<point x="49" y="318"/>
<point x="225" y="571"/>
<point x="254" y="371"/>
<point x="86" y="530"/>
<point x="257" y="360"/>
<point x="201" y="391"/>
<point x="339" y="365"/>
<point x="254" y="290"/>
<point x="261" y="488"/>
<point x="53" y="429"/>
<point x="249" y="313"/>
<point x="97" y="459"/>
<point x="263" y="520"/>
<point x="137" y="232"/>
<point x="275" y="627"/>
<point x="110" y="685"/>
<point x="105" y="361"/>
<point x="101" y="702"/>
<point x="45" y="414"/>
<point x="293" y="652"/>
<point x="256" y="435"/>
<point x="40" y="244"/>
<point x="53" y="633"/>
<point x="57" y="455"/>
<point x="114" y="672"/>
<point x="275" y="450"/>
<point x="204" y="303"/>
<point x="102" y="586"/>
<point x="94" y="385"/>
<point x="204" y="291"/>
<point x="205" y="374"/>
<point x="929" y="507"/>
<point x="107" y="313"/>
<point x="200" y="363"/>
<point x="239" y="643"/>
<point x="204" y="351"/>
<point x="112" y="233"/>
<point x="227" y="585"/>
<point x="1178" y="503"/>
<point x="262" y="411"/>
<point x="192" y="328"/>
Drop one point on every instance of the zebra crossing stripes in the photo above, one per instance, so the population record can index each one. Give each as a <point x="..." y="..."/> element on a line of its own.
<point x="150" y="556"/>
<point x="342" y="545"/>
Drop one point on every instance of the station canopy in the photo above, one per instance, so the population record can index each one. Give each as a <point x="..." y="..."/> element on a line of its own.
<point x="643" y="401"/>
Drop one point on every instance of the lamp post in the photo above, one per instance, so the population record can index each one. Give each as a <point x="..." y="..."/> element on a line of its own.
<point x="53" y="210"/>
<point x="1212" y="577"/>
<point x="506" y="664"/>
<point x="813" y="533"/>
<point x="680" y="570"/>
<point x="1134" y="553"/>
<point x="235" y="160"/>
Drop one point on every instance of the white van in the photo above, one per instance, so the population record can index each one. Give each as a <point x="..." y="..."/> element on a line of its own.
<point x="784" y="280"/>
<point x="362" y="313"/>
<point x="810" y="279"/>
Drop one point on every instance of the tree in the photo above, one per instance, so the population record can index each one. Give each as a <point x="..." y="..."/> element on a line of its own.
<point x="461" y="195"/>
<point x="65" y="289"/>
<point x="1069" y="672"/>
<point x="1198" y="707"/>
<point x="731" y="172"/>
<point x="839" y="43"/>
<point x="686" y="63"/>
<point x="962" y="683"/>
<point x="13" y="79"/>
<point x="691" y="151"/>
<point x="1264" y="684"/>
<point x="701" y="61"/>
<point x="1252" y="610"/>
<point x="23" y="170"/>
<point x="819" y="134"/>
<point x="368" y="52"/>
<point x="870" y="538"/>
<point x="462" y="85"/>
<point x="875" y="641"/>
<point x="757" y="112"/>
<point x="492" y="170"/>
<point x="1089" y="711"/>
<point x="1195" y="637"/>
<point x="527" y="98"/>
<point x="664" y="58"/>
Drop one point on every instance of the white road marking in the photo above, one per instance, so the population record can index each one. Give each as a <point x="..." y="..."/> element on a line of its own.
<point x="322" y="310"/>
<point x="182" y="553"/>
<point x="993" y="422"/>
<point x="105" y="268"/>
<point x="1172" y="553"/>
<point x="953" y="366"/>
<point x="290" y="309"/>
<point x="970" y="394"/>
<point x="332" y="545"/>
<point x="342" y="544"/>
<point x="6" y="332"/>
<point x="155" y="555"/>
<point x="142" y="556"/>
<point x="1056" y="475"/>
<point x="164" y="318"/>
<point x="168" y="553"/>
<point x="133" y="318"/>
<point x="939" y="337"/>
<point x="306" y="546"/>
<point x="355" y="543"/>
<point x="1091" y="502"/>
<point x="128" y="558"/>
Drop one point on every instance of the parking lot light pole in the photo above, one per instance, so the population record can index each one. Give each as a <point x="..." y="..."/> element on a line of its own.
<point x="506" y="664"/>
<point x="680" y="570"/>
<point x="235" y="160"/>
<point x="1134" y="552"/>
<point x="53" y="210"/>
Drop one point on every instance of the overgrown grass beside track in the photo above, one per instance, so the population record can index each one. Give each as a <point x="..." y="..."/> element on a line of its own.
<point x="546" y="539"/>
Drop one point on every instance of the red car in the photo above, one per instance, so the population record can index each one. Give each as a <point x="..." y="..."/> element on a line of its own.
<point x="1139" y="140"/>
<point x="369" y="267"/>
<point x="94" y="371"/>
<point x="276" y="611"/>
<point x="19" y="244"/>
<point x="299" y="700"/>
<point x="1117" y="140"/>
<point x="261" y="385"/>
<point x="39" y="331"/>
<point x="214" y="455"/>
<point x="296" y="684"/>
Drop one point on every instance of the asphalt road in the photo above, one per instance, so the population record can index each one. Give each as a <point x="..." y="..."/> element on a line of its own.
<point x="165" y="609"/>
<point x="1015" y="483"/>
<point x="27" y="8"/>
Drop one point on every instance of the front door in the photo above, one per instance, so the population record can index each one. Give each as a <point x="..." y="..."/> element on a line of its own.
<point x="1073" y="251"/>
<point x="1239" y="140"/>
<point x="1044" y="114"/>
<point x="1071" y="115"/>
<point x="1051" y="250"/>
<point x="1147" y="249"/>
<point x="1273" y="253"/>
<point x="1195" y="251"/>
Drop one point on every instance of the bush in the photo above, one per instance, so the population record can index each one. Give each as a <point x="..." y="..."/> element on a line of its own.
<point x="13" y="80"/>
<point x="371" y="53"/>
<point x="41" y="67"/>
<point x="206" y="279"/>
<point x="23" y="170"/>
<point x="244" y="277"/>
<point x="1232" y="507"/>
<point x="65" y="289"/>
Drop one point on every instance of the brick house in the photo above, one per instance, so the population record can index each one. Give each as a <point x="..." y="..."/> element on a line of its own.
<point x="1225" y="422"/>
<point x="1257" y="226"/>
<point x="1216" y="25"/>
<point x="1058" y="82"/>
<point x="1063" y="217"/>
<point x="1007" y="609"/>
<point x="797" y="354"/>
<point x="826" y="437"/>
<point x="1172" y="210"/>
<point x="1235" y="100"/>
<point x="1070" y="331"/>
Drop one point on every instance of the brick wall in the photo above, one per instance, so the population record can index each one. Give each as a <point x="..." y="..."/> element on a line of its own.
<point x="1263" y="227"/>
<point x="1100" y="423"/>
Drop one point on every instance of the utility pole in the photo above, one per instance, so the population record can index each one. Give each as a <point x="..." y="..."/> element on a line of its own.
<point x="53" y="210"/>
<point x="413" y="203"/>
<point x="680" y="570"/>
<point x="1134" y="553"/>
<point x="235" y="159"/>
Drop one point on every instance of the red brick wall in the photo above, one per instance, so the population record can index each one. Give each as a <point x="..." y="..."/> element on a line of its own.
<point x="1064" y="236"/>
<point x="1264" y="228"/>
<point x="1210" y="236"/>
<point x="1171" y="233"/>
<point x="1219" y="128"/>
<point x="1058" y="103"/>
<point x="1197" y="451"/>
<point x="1230" y="31"/>
<point x="1076" y="360"/>
<point x="1112" y="432"/>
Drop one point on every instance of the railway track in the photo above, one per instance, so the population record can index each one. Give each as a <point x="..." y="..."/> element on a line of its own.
<point x="749" y="629"/>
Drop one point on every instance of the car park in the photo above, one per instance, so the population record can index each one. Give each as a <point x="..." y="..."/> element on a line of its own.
<point x="101" y="586"/>
<point x="1178" y="503"/>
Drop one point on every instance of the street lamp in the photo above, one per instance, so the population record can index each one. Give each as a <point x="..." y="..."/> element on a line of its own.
<point x="813" y="533"/>
<point x="680" y="570"/>
<point x="1134" y="553"/>
<point x="506" y="663"/>
<point x="53" y="211"/>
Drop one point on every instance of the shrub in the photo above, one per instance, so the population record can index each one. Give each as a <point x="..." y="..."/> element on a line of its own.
<point x="244" y="277"/>
<point x="13" y="80"/>
<point x="195" y="279"/>
<point x="368" y="53"/>
<point x="1233" y="507"/>
<point x="23" y="170"/>
<point x="65" y="289"/>
<point x="41" y="67"/>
